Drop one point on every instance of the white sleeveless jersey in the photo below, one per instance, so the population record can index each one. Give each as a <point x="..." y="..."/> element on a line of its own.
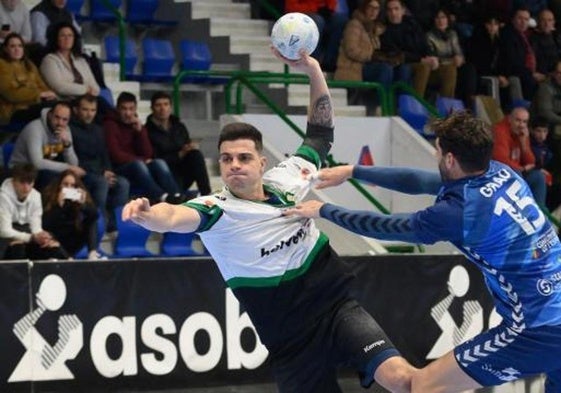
<point x="251" y="242"/>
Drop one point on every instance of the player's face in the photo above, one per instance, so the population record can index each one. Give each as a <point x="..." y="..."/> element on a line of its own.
<point x="442" y="168"/>
<point x="241" y="166"/>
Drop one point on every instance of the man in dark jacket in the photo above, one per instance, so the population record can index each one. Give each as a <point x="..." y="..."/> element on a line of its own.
<point x="171" y="142"/>
<point x="405" y="36"/>
<point x="108" y="190"/>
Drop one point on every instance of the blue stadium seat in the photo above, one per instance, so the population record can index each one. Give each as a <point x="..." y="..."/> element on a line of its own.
<point x="83" y="253"/>
<point x="142" y="12"/>
<point x="414" y="113"/>
<point x="446" y="105"/>
<point x="179" y="244"/>
<point x="74" y="6"/>
<point x="131" y="238"/>
<point x="7" y="149"/>
<point x="111" y="44"/>
<point x="100" y="13"/>
<point x="159" y="59"/>
<point x="196" y="56"/>
<point x="107" y="95"/>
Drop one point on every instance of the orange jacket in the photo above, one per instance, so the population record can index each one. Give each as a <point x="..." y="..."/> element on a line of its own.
<point x="508" y="149"/>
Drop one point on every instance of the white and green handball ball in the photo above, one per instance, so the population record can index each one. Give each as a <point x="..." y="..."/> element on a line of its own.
<point x="294" y="31"/>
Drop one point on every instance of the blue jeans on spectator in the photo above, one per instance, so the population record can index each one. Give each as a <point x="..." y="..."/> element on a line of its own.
<point x="155" y="177"/>
<point x="107" y="196"/>
<point x="330" y="34"/>
<point x="536" y="181"/>
<point x="386" y="74"/>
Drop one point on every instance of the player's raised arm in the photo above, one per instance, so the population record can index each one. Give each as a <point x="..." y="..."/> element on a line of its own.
<point x="162" y="217"/>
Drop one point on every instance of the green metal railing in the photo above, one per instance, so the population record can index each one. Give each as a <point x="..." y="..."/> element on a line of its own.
<point x="122" y="37"/>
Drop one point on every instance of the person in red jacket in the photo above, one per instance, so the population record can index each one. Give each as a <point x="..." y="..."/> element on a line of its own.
<point x="131" y="153"/>
<point x="330" y="25"/>
<point x="512" y="147"/>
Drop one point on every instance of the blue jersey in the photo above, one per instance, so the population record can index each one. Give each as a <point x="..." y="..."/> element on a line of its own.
<point x="493" y="219"/>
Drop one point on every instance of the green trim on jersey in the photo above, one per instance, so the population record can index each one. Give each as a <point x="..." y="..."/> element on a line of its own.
<point x="238" y="282"/>
<point x="285" y="198"/>
<point x="213" y="212"/>
<point x="310" y="154"/>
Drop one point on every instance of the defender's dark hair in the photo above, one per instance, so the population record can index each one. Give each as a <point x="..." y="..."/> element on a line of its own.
<point x="467" y="137"/>
<point x="239" y="130"/>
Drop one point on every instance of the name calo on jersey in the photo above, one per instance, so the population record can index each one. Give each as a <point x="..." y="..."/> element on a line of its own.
<point x="253" y="244"/>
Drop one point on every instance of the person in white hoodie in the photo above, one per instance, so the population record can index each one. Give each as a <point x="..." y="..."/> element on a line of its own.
<point x="21" y="233"/>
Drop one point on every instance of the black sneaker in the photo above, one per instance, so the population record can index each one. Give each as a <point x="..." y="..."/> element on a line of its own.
<point x="176" y="199"/>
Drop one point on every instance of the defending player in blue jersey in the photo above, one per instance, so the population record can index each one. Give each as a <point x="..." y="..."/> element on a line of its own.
<point x="486" y="210"/>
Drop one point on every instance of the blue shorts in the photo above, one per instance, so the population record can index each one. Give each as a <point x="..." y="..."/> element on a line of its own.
<point x="501" y="355"/>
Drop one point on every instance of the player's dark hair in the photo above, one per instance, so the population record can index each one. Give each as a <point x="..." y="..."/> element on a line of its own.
<point x="239" y="130"/>
<point x="468" y="138"/>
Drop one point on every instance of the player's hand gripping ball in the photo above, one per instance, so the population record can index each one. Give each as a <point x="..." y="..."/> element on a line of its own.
<point x="294" y="31"/>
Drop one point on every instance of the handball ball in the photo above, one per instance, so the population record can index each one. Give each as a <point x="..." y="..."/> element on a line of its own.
<point x="294" y="31"/>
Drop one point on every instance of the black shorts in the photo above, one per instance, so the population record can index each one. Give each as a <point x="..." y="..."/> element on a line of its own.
<point x="347" y="336"/>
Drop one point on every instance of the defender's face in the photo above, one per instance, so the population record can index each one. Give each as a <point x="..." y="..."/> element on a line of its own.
<point x="241" y="165"/>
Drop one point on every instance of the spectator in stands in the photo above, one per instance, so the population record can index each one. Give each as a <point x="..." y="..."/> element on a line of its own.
<point x="46" y="143"/>
<point x="445" y="44"/>
<point x="172" y="143"/>
<point x="21" y="233"/>
<point x="132" y="154"/>
<point x="23" y="93"/>
<point x="512" y="147"/>
<point x="360" y="57"/>
<point x="547" y="101"/>
<point x="330" y="25"/>
<point x="70" y="215"/>
<point x="483" y="52"/>
<point x="546" y="43"/>
<point x="107" y="189"/>
<point x="46" y="15"/>
<point x="422" y="10"/>
<point x="14" y="18"/>
<point x="538" y="136"/>
<point x="516" y="56"/>
<point x="64" y="68"/>
<point x="404" y="36"/>
<point x="461" y="14"/>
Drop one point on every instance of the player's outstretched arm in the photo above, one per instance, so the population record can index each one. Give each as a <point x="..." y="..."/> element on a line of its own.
<point x="161" y="217"/>
<point x="366" y="223"/>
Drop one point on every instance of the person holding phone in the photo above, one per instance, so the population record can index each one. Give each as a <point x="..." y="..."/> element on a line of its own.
<point x="70" y="214"/>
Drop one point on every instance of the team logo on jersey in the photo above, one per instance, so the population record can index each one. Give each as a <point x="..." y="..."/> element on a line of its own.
<point x="506" y="375"/>
<point x="546" y="286"/>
